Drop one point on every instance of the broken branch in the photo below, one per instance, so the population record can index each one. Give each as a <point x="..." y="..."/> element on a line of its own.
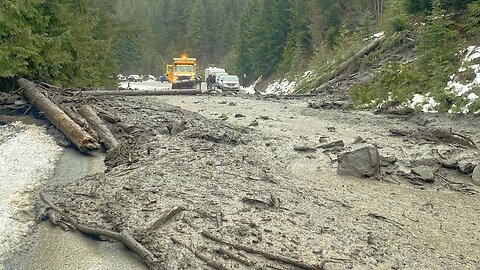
<point x="122" y="237"/>
<point x="265" y="254"/>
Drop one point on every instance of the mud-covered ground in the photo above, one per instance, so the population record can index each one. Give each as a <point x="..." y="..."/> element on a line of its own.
<point x="230" y="163"/>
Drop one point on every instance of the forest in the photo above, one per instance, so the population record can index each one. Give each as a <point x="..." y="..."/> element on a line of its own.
<point x="87" y="42"/>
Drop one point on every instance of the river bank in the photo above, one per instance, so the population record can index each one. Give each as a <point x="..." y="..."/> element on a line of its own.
<point x="30" y="159"/>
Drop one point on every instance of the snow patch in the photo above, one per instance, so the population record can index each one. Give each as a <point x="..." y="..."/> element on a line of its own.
<point x="427" y="103"/>
<point x="283" y="87"/>
<point x="251" y="89"/>
<point x="464" y="88"/>
<point x="308" y="74"/>
<point x="375" y="36"/>
<point x="27" y="157"/>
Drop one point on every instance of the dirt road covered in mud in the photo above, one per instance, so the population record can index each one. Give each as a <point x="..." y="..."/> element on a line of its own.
<point x="263" y="173"/>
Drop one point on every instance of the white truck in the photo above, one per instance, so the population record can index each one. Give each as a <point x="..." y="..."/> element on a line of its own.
<point x="213" y="71"/>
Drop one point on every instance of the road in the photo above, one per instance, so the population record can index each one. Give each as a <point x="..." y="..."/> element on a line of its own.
<point x="229" y="161"/>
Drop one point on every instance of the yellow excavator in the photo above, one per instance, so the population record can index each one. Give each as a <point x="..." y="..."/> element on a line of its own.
<point x="182" y="74"/>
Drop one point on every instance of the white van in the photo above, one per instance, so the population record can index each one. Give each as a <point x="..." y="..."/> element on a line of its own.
<point x="213" y="71"/>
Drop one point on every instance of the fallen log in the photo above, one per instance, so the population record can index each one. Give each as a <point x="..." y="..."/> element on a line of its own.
<point x="104" y="133"/>
<point x="77" y="118"/>
<point x="265" y="254"/>
<point x="106" y="115"/>
<point x="331" y="77"/>
<point x="122" y="237"/>
<point x="79" y="137"/>
<point x="141" y="92"/>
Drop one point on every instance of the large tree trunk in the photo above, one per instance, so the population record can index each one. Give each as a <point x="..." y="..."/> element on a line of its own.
<point x="142" y="92"/>
<point x="97" y="124"/>
<point x="331" y="78"/>
<point x="79" y="137"/>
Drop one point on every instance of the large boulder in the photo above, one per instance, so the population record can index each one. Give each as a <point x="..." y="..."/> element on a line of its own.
<point x="424" y="173"/>
<point x="363" y="163"/>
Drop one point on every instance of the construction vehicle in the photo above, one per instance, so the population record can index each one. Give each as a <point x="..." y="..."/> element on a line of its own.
<point x="182" y="74"/>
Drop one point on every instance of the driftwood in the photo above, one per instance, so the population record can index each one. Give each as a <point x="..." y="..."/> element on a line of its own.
<point x="142" y="92"/>
<point x="209" y="262"/>
<point x="106" y="136"/>
<point x="331" y="78"/>
<point x="165" y="217"/>
<point x="265" y="254"/>
<point x="79" y="137"/>
<point x="237" y="257"/>
<point x="122" y="237"/>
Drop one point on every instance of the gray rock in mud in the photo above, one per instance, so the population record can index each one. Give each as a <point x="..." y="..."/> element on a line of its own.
<point x="359" y="140"/>
<point x="476" y="175"/>
<point x="465" y="167"/>
<point x="363" y="163"/>
<point x="335" y="144"/>
<point x="388" y="160"/>
<point x="424" y="173"/>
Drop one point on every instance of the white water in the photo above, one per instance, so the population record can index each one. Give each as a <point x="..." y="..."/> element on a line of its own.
<point x="27" y="157"/>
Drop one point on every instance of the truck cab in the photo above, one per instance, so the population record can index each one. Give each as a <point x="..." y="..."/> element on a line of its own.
<point x="182" y="69"/>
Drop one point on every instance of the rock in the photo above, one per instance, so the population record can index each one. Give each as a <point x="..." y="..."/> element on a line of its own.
<point x="262" y="117"/>
<point x="386" y="161"/>
<point x="425" y="173"/>
<point x="305" y="149"/>
<point x="223" y="117"/>
<point x="335" y="144"/>
<point x="465" y="167"/>
<point x="449" y="164"/>
<point x="254" y="123"/>
<point x="222" y="102"/>
<point x="364" y="162"/>
<point x="232" y="104"/>
<point x="239" y="115"/>
<point x="476" y="175"/>
<point x="328" y="105"/>
<point x="359" y="140"/>
<point x="323" y="139"/>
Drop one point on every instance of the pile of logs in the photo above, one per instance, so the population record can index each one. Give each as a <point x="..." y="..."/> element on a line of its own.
<point x="81" y="125"/>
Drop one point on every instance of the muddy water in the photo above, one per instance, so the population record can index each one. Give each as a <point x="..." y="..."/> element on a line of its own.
<point x="54" y="249"/>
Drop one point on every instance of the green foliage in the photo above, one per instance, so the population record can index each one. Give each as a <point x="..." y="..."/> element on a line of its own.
<point x="395" y="18"/>
<point x="64" y="42"/>
<point x="472" y="24"/>
<point x="428" y="75"/>
<point x="396" y="82"/>
<point x="437" y="48"/>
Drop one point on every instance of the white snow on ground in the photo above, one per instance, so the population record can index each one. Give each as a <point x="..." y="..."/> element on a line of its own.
<point x="283" y="87"/>
<point x="308" y="74"/>
<point x="27" y="157"/>
<point x="464" y="89"/>
<point x="455" y="86"/>
<point x="374" y="36"/>
<point x="251" y="89"/>
<point x="426" y="102"/>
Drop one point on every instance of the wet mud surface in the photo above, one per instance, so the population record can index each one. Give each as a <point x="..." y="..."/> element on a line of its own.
<point x="233" y="167"/>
